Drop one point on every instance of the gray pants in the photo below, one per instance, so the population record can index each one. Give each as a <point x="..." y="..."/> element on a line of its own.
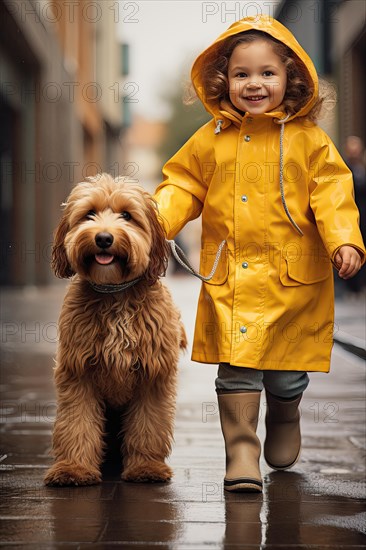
<point x="281" y="383"/>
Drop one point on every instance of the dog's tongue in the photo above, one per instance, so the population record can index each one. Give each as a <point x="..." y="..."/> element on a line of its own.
<point x="104" y="259"/>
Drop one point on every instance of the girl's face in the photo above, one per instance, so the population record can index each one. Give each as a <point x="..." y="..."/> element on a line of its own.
<point x="257" y="77"/>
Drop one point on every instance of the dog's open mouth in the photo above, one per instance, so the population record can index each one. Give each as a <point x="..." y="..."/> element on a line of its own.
<point x="104" y="259"/>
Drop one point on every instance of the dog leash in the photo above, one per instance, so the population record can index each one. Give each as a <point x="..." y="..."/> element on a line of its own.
<point x="182" y="259"/>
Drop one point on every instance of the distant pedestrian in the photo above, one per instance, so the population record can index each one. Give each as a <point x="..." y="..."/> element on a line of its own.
<point x="355" y="159"/>
<point x="272" y="187"/>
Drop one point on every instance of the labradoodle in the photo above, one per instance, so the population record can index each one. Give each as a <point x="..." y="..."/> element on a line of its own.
<point x="119" y="334"/>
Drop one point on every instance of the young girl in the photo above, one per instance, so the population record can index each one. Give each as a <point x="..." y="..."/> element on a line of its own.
<point x="274" y="191"/>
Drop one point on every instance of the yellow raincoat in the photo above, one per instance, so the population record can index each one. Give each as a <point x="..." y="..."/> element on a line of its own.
<point x="270" y="304"/>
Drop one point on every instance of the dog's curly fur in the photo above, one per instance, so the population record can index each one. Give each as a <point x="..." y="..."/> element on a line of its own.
<point x="121" y="348"/>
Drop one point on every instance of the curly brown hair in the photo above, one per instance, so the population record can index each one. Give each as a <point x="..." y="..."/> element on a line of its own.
<point x="299" y="89"/>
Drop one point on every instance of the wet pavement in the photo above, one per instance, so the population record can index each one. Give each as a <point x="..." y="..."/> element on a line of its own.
<point x="319" y="504"/>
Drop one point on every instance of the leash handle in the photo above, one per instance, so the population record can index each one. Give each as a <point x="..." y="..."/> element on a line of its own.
<point x="182" y="259"/>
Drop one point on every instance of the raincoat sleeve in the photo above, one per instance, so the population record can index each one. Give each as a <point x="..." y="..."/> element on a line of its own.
<point x="181" y="195"/>
<point x="332" y="200"/>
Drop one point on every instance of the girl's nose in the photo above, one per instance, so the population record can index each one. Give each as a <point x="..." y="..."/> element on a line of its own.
<point x="253" y="85"/>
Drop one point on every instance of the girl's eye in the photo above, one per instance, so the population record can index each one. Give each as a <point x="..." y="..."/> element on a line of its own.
<point x="90" y="215"/>
<point x="241" y="75"/>
<point x="125" y="215"/>
<point x="268" y="73"/>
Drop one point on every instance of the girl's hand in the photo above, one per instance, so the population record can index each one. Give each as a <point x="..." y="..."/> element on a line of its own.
<point x="348" y="262"/>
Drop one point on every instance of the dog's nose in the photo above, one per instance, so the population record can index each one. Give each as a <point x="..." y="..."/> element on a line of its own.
<point x="104" y="240"/>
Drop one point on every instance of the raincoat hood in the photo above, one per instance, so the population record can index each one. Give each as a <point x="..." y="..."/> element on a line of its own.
<point x="276" y="30"/>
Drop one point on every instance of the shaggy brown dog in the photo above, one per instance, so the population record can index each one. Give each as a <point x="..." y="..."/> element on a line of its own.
<point x="119" y="334"/>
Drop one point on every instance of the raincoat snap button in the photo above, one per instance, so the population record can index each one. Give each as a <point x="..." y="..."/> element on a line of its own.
<point x="244" y="265"/>
<point x="247" y="138"/>
<point x="244" y="198"/>
<point x="243" y="330"/>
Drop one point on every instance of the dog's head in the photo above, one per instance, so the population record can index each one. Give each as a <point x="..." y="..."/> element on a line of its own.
<point x="109" y="233"/>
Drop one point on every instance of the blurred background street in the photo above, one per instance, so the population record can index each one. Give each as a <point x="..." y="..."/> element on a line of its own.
<point x="97" y="85"/>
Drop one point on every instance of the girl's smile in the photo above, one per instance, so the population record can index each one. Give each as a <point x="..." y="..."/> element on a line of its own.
<point x="257" y="77"/>
<point x="255" y="99"/>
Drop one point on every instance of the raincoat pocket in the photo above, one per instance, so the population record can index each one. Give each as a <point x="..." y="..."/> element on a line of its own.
<point x="304" y="271"/>
<point x="207" y="260"/>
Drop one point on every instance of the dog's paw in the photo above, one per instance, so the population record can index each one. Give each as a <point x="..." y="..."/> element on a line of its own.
<point x="153" y="472"/>
<point x="64" y="473"/>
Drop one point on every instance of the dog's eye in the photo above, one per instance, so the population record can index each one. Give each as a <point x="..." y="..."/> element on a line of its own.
<point x="125" y="215"/>
<point x="90" y="215"/>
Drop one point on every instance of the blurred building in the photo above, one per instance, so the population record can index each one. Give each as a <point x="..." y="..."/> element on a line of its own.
<point x="60" y="119"/>
<point x="333" y="32"/>
<point x="142" y="142"/>
<point x="349" y="54"/>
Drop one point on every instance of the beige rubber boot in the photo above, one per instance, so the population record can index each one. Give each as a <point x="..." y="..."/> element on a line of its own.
<point x="283" y="438"/>
<point x="239" y="419"/>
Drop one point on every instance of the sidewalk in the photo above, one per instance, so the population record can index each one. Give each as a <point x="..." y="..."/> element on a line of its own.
<point x="350" y="325"/>
<point x="316" y="505"/>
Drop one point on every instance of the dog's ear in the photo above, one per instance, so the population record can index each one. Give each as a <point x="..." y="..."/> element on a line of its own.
<point x="60" y="263"/>
<point x="159" y="249"/>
